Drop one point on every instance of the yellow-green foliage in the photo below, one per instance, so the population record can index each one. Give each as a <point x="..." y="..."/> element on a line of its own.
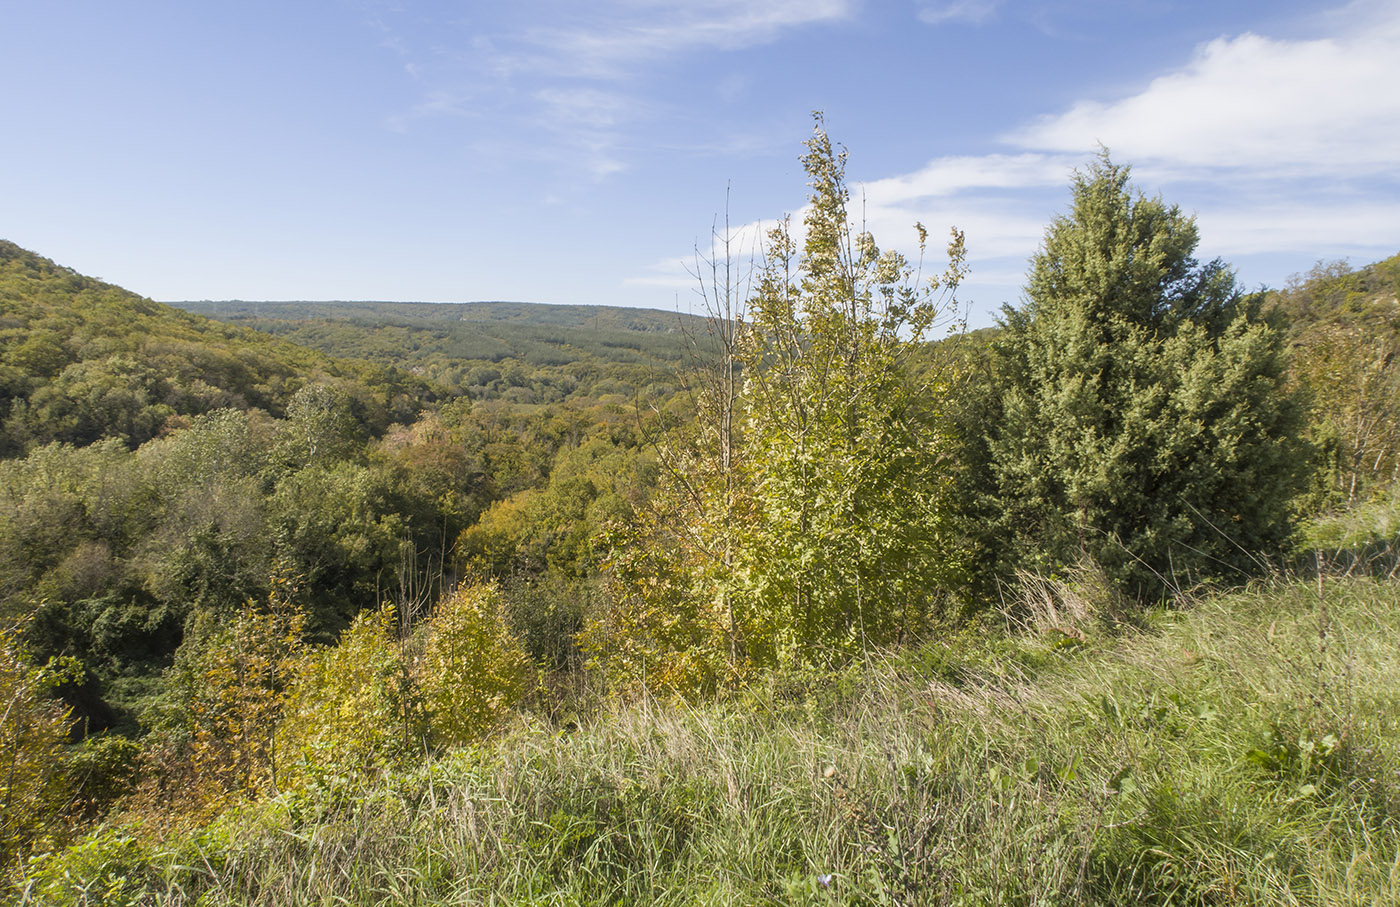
<point x="550" y="529"/>
<point x="852" y="545"/>
<point x="1344" y="328"/>
<point x="108" y="867"/>
<point x="32" y="733"/>
<point x="661" y="632"/>
<point x="351" y="708"/>
<point x="233" y="682"/>
<point x="473" y="669"/>
<point x="807" y="518"/>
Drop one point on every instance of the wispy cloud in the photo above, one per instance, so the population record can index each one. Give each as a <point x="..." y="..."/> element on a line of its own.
<point x="1319" y="227"/>
<point x="620" y="35"/>
<point x="686" y="273"/>
<point x="972" y="12"/>
<point x="581" y="82"/>
<point x="436" y="103"/>
<point x="587" y="121"/>
<point x="948" y="176"/>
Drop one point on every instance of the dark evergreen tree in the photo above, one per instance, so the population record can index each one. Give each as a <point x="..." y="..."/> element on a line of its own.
<point x="1139" y="416"/>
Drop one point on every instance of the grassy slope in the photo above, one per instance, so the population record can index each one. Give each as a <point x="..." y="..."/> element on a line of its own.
<point x="1245" y="750"/>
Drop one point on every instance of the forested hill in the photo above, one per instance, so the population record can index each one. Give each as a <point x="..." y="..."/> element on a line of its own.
<point x="595" y="317"/>
<point x="161" y="472"/>
<point x="82" y="360"/>
<point x="521" y="352"/>
<point x="1332" y="294"/>
<point x="1344" y="334"/>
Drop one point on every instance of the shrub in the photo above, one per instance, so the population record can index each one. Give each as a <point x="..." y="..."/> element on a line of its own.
<point x="33" y="729"/>
<point x="351" y="708"/>
<point x="472" y="668"/>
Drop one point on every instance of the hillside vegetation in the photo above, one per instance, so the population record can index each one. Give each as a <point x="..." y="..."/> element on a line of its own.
<point x="165" y="469"/>
<point x="1344" y="330"/>
<point x="1242" y="750"/>
<point x="518" y="352"/>
<point x="82" y="360"/>
<point x="787" y="603"/>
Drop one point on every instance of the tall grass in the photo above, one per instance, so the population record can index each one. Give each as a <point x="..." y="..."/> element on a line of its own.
<point x="1243" y="750"/>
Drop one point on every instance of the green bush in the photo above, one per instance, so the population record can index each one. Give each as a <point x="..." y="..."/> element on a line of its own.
<point x="34" y="783"/>
<point x="109" y="868"/>
<point x="472" y="669"/>
<point x="105" y="768"/>
<point x="351" y="709"/>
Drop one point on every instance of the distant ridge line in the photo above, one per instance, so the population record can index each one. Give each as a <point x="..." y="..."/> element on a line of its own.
<point x="202" y="303"/>
<point x="606" y="318"/>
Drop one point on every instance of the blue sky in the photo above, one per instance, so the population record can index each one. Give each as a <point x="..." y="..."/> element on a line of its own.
<point x="578" y="152"/>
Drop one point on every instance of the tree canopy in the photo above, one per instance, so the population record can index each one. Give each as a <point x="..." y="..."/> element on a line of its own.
<point x="1139" y="415"/>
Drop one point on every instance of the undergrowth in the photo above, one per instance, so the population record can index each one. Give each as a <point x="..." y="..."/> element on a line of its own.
<point x="1244" y="749"/>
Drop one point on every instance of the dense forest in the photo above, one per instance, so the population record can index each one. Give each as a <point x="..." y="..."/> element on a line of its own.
<point x="805" y="601"/>
<point x="523" y="353"/>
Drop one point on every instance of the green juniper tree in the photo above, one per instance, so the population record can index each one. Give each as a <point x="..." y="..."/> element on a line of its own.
<point x="1139" y="416"/>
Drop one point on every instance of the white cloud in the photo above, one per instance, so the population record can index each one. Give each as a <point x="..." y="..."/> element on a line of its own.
<point x="669" y="273"/>
<point x="1321" y="107"/>
<point x="1316" y="228"/>
<point x="994" y="227"/>
<point x="947" y="176"/>
<point x="1001" y="234"/>
<point x="744" y="252"/>
<point x="1246" y="123"/>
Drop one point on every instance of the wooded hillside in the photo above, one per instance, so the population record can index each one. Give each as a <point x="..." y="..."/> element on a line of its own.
<point x="519" y="352"/>
<point x="82" y="360"/>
